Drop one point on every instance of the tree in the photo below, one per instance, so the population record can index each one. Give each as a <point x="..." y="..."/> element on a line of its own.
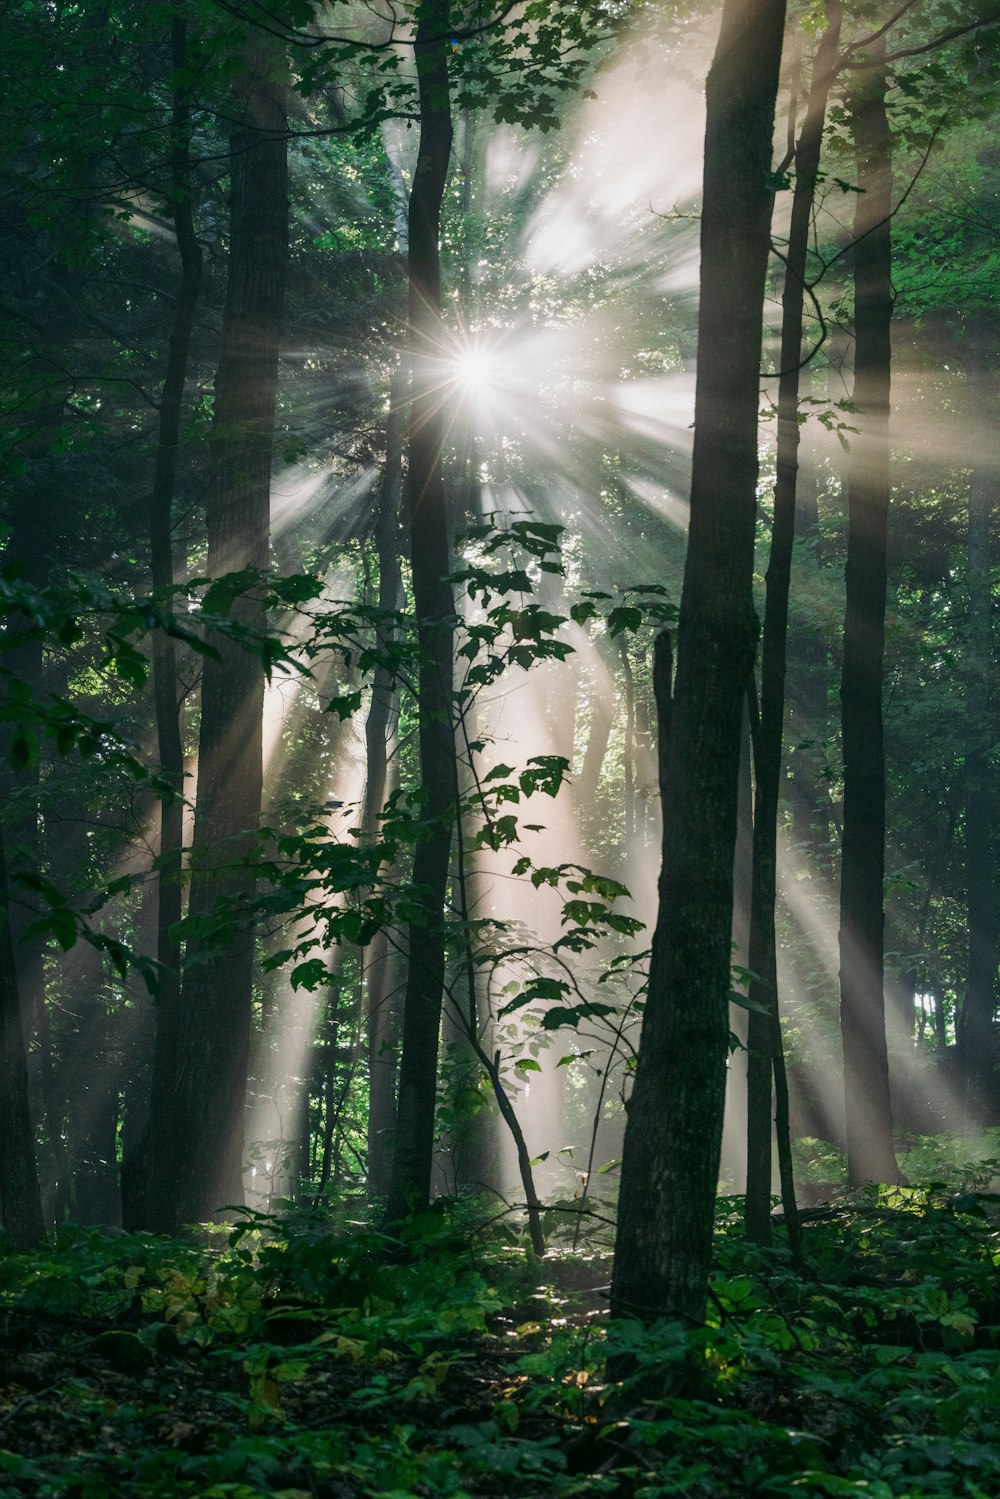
<point x="434" y="606"/>
<point x="763" y="1031"/>
<point x="20" y="1203"/>
<point x="196" y="1158"/>
<point x="674" y="1130"/>
<point x="381" y="968"/>
<point x="870" y="1151"/>
<point x="169" y="731"/>
<point x="974" y="1031"/>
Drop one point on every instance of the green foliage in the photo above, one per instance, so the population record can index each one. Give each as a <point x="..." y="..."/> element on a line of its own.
<point x="309" y="1354"/>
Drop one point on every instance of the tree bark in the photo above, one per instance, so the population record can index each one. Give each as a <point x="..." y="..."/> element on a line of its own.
<point x="379" y="972"/>
<point x="870" y="1153"/>
<point x="764" y="1030"/>
<point x="868" y="1113"/>
<point x="169" y="726"/>
<point x="434" y="605"/>
<point x="20" y="1200"/>
<point x="674" y="1130"/>
<point x="198" y="1168"/>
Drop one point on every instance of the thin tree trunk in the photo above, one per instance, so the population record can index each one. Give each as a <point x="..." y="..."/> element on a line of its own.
<point x="673" y="1135"/>
<point x="20" y="1200"/>
<point x="169" y="730"/>
<point x="199" y="1169"/>
<point x="628" y="749"/>
<point x="379" y="727"/>
<point x="602" y="717"/>
<point x="434" y="605"/>
<point x="469" y="1028"/>
<point x="34" y="542"/>
<point x="975" y="1033"/>
<point x="763" y="1029"/>
<point x="870" y="1153"/>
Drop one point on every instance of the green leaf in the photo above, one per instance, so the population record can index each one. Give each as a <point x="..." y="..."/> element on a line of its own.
<point x="562" y="1015"/>
<point x="746" y="1003"/>
<point x="625" y="618"/>
<point x="24" y="749"/>
<point x="345" y="706"/>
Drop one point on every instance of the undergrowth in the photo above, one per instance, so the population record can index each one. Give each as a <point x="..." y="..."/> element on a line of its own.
<point x="309" y="1357"/>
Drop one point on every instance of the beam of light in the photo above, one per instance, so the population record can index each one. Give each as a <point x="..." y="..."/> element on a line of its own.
<point x="300" y="494"/>
<point x="814" y="908"/>
<point x="671" y="506"/>
<point x="608" y="202"/>
<point x="275" y="1123"/>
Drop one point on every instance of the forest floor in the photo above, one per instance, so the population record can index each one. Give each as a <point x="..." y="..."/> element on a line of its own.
<point x="309" y="1358"/>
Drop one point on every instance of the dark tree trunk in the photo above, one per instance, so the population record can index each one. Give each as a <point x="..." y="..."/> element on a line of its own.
<point x="870" y="1153"/>
<point x="673" y="1135"/>
<point x="380" y="965"/>
<point x="975" y="1033"/>
<point x="628" y="748"/>
<point x="35" y="542"/>
<point x="20" y="1201"/>
<point x="764" y="1030"/>
<point x="434" y="605"/>
<point x="169" y="729"/>
<point x="94" y="1103"/>
<point x="198" y="1169"/>
<point x="382" y="976"/>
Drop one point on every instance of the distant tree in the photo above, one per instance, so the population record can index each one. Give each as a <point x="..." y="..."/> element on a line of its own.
<point x="382" y="968"/>
<point x="196" y="1139"/>
<point x="975" y="1033"/>
<point x="20" y="1201"/>
<point x="166" y="687"/>
<point x="763" y="1029"/>
<point x="870" y="1151"/>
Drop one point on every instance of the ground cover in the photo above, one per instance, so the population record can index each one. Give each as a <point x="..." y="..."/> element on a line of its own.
<point x="309" y="1357"/>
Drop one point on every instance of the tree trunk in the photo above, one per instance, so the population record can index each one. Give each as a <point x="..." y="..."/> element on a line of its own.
<point x="20" y="1201"/>
<point x="35" y="536"/>
<point x="975" y="1033"/>
<point x="434" y="605"/>
<point x="602" y="717"/>
<point x="379" y="972"/>
<point x="674" y="1130"/>
<point x="198" y="1168"/>
<point x="870" y="1154"/>
<point x="764" y="1030"/>
<point x="169" y="729"/>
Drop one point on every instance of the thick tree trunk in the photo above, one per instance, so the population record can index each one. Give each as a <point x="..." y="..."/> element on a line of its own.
<point x="674" y="1130"/>
<point x="870" y="1153"/>
<point x="975" y="1033"/>
<point x="198" y="1168"/>
<point x="20" y="1201"/>
<point x="434" y="606"/>
<point x="764" y="1030"/>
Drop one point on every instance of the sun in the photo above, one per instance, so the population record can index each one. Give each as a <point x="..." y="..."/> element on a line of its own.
<point x="475" y="369"/>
